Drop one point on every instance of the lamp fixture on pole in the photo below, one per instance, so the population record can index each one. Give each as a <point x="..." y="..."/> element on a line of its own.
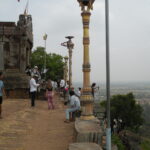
<point x="70" y="47"/>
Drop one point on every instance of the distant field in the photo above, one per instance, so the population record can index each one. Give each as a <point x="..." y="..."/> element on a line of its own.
<point x="141" y="90"/>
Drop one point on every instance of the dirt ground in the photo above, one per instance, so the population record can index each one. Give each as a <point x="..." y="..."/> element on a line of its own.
<point x="26" y="128"/>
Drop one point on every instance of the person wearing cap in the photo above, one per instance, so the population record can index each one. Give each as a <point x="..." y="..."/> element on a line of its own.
<point x="33" y="89"/>
<point x="36" y="72"/>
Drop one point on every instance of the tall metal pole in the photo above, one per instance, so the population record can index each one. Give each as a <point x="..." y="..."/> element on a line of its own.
<point x="108" y="129"/>
<point x="45" y="38"/>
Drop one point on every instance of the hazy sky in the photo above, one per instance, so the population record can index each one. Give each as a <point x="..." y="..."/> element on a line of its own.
<point x="129" y="34"/>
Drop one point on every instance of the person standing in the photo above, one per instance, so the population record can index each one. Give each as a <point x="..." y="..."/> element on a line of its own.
<point x="50" y="99"/>
<point x="49" y="83"/>
<point x="93" y="87"/>
<point x="65" y="91"/>
<point x="49" y="94"/>
<point x="79" y="92"/>
<point x="33" y="89"/>
<point x="1" y="93"/>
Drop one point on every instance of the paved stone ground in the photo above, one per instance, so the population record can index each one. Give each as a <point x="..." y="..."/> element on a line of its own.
<point x="26" y="128"/>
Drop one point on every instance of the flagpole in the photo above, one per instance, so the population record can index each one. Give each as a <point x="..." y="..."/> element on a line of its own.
<point x="45" y="61"/>
<point x="108" y="129"/>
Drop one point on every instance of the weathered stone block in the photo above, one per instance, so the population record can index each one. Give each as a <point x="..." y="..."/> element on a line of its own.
<point x="16" y="42"/>
<point x="84" y="146"/>
<point x="16" y="84"/>
<point x="18" y="93"/>
<point x="88" y="131"/>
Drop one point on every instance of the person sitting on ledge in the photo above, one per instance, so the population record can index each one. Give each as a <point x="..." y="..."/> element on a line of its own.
<point x="74" y="105"/>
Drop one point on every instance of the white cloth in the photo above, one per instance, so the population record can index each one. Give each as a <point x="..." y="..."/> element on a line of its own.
<point x="74" y="101"/>
<point x="62" y="83"/>
<point x="33" y="85"/>
<point x="79" y="93"/>
<point x="55" y="84"/>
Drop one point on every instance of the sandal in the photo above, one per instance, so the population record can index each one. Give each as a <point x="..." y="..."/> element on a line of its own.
<point x="67" y="121"/>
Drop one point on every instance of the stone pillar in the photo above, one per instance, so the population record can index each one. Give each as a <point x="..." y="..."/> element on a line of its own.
<point x="27" y="57"/>
<point x="66" y="72"/>
<point x="66" y="69"/>
<point x="70" y="67"/>
<point x="2" y="56"/>
<point x="22" y="55"/>
<point x="86" y="97"/>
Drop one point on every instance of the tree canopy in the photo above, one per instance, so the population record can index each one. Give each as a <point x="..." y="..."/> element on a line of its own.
<point x="124" y="107"/>
<point x="54" y="63"/>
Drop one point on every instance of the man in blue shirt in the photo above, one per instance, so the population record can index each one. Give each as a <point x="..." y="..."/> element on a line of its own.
<point x="1" y="93"/>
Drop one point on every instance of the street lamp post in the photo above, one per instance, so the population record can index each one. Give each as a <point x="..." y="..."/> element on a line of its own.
<point x="45" y="38"/>
<point x="66" y="69"/>
<point x="70" y="46"/>
<point x="86" y="97"/>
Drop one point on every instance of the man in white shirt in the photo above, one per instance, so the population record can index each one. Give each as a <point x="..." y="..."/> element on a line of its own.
<point x="74" y="105"/>
<point x="33" y="89"/>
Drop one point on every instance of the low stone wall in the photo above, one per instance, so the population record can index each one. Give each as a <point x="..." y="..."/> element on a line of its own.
<point x="88" y="131"/>
<point x="16" y="84"/>
<point x="17" y="93"/>
<point x="84" y="146"/>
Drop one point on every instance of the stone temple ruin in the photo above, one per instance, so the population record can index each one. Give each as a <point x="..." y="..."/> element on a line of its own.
<point x="16" y="42"/>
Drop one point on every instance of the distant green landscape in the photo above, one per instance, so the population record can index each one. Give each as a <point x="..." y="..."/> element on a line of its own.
<point x="141" y="92"/>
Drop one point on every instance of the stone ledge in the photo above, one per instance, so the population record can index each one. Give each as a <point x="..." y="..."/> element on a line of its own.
<point x="88" y="131"/>
<point x="84" y="146"/>
<point x="16" y="80"/>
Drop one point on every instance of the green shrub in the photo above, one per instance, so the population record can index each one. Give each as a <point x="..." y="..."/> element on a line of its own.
<point x="117" y="141"/>
<point x="145" y="145"/>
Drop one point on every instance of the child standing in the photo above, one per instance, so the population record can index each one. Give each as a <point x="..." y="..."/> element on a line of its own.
<point x="1" y="93"/>
<point x="49" y="95"/>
